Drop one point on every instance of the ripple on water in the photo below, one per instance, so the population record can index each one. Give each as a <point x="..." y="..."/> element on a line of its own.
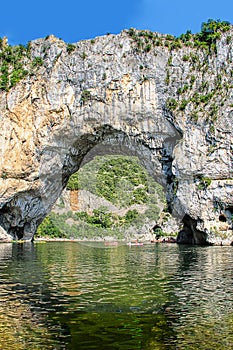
<point x="69" y="296"/>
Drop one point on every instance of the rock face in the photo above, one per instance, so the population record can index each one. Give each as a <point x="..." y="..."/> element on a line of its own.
<point x="170" y="107"/>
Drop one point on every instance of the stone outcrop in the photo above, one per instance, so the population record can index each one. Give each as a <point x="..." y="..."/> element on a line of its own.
<point x="170" y="107"/>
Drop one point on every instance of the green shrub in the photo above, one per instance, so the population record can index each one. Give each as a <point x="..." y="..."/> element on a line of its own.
<point x="122" y="181"/>
<point x="182" y="89"/>
<point x="183" y="104"/>
<point x="130" y="216"/>
<point x="37" y="62"/>
<point x="4" y="82"/>
<point x="171" y="104"/>
<point x="186" y="37"/>
<point x="85" y="96"/>
<point x="194" y="116"/>
<point x="210" y="33"/>
<point x="147" y="48"/>
<point x="73" y="183"/>
<point x="169" y="62"/>
<point x="132" y="32"/>
<point x="192" y="79"/>
<point x="167" y="79"/>
<point x="3" y="175"/>
<point x="206" y="98"/>
<point x="158" y="232"/>
<point x="103" y="219"/>
<point x="70" y="48"/>
<point x="185" y="58"/>
<point x="204" y="182"/>
<point x="17" y="75"/>
<point x="48" y="228"/>
<point x="12" y="62"/>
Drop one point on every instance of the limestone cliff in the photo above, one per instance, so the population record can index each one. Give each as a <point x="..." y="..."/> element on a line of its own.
<point x="154" y="96"/>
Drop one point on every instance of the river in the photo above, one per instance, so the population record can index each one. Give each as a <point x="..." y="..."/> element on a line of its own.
<point x="70" y="295"/>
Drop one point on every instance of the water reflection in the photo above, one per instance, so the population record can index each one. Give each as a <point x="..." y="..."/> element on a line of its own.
<point x="72" y="296"/>
<point x="5" y="252"/>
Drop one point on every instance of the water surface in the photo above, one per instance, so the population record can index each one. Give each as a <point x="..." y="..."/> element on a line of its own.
<point x="67" y="295"/>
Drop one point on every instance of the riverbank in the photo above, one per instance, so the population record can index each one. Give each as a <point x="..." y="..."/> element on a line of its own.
<point x="106" y="242"/>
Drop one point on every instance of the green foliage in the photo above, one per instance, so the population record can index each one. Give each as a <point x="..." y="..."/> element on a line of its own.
<point x="185" y="58"/>
<point x="170" y="37"/>
<point x="37" y="62"/>
<point x="186" y="37"/>
<point x="118" y="178"/>
<point x="122" y="179"/>
<point x="100" y="218"/>
<point x="73" y="183"/>
<point x="3" y="175"/>
<point x="12" y="65"/>
<point x="132" y="32"/>
<point x="130" y="216"/>
<point x="85" y="96"/>
<point x="213" y="112"/>
<point x="103" y="219"/>
<point x="145" y="40"/>
<point x="203" y="183"/>
<point x="206" y="98"/>
<point x="175" y="185"/>
<point x="167" y="79"/>
<point x="4" y="82"/>
<point x="229" y="38"/>
<point x="17" y="75"/>
<point x="183" y="104"/>
<point x="182" y="89"/>
<point x="176" y="44"/>
<point x="194" y="116"/>
<point x="70" y="48"/>
<point x="210" y="33"/>
<point x="171" y="104"/>
<point x="159" y="42"/>
<point x="49" y="228"/>
<point x="159" y="233"/>
<point x="169" y="62"/>
<point x="194" y="58"/>
<point x="147" y="48"/>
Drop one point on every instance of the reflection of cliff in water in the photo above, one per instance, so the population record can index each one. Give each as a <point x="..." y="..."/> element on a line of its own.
<point x="20" y="329"/>
<point x="64" y="295"/>
<point x="5" y="251"/>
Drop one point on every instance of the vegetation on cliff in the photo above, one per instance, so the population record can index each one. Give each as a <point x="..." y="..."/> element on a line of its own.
<point x="16" y="62"/>
<point x="120" y="180"/>
<point x="172" y="104"/>
<point x="206" y="39"/>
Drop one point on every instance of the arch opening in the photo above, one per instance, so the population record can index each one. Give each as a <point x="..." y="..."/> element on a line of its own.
<point x="22" y="214"/>
<point x="156" y="160"/>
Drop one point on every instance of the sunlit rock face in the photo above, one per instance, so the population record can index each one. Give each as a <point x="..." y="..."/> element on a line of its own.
<point x="105" y="93"/>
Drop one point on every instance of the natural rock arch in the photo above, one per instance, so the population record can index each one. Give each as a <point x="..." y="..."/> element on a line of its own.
<point x="112" y="95"/>
<point x="21" y="215"/>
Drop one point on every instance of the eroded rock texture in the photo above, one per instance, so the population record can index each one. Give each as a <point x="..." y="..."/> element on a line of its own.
<point x="107" y="93"/>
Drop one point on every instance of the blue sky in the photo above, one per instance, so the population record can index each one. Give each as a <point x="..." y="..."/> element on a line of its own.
<point x="73" y="20"/>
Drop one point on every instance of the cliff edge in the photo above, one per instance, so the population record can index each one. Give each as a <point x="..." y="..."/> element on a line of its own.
<point x="167" y="100"/>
